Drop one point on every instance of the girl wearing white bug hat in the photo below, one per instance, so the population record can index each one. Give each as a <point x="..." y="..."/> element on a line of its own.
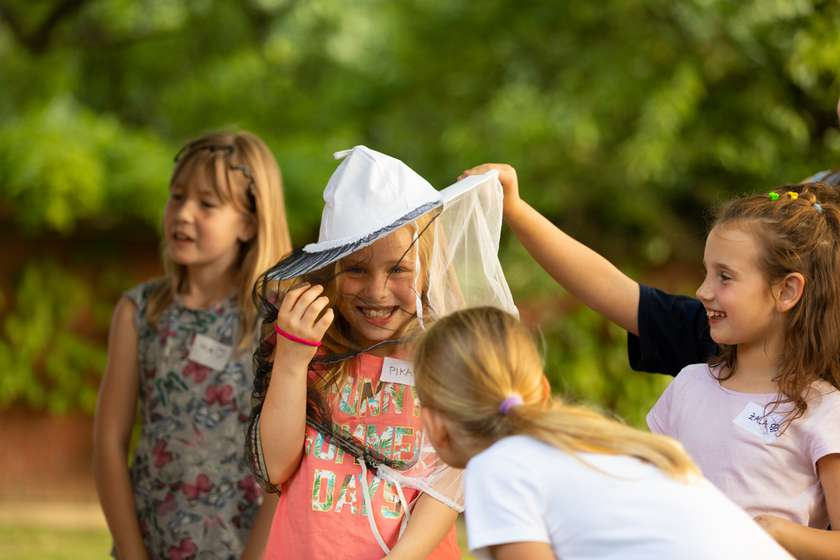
<point x="335" y="423"/>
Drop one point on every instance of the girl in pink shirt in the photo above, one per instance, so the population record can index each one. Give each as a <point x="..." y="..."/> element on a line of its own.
<point x="336" y="427"/>
<point x="762" y="419"/>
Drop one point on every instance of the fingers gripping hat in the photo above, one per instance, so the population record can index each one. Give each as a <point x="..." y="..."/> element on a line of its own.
<point x="368" y="196"/>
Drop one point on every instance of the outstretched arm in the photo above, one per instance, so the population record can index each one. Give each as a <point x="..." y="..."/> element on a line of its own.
<point x="580" y="270"/>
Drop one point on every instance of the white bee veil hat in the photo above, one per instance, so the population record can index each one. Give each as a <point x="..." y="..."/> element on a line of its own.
<point x="457" y="229"/>
<point x="367" y="197"/>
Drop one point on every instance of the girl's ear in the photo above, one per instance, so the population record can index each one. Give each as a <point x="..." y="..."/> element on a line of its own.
<point x="444" y="438"/>
<point x="788" y="291"/>
<point x="436" y="429"/>
<point x="248" y="229"/>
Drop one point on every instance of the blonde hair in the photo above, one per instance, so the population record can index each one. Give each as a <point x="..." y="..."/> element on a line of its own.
<point x="253" y="184"/>
<point x="469" y="362"/>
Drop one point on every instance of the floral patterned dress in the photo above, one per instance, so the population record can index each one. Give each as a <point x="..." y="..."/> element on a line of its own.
<point x="194" y="492"/>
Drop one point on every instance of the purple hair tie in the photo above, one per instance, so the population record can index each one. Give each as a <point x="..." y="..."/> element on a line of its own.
<point x="514" y="399"/>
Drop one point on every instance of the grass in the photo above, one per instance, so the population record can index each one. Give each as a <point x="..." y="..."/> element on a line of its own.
<point x="52" y="543"/>
<point x="30" y="542"/>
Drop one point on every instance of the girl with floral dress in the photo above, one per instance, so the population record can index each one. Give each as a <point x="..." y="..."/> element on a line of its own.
<point x="181" y="347"/>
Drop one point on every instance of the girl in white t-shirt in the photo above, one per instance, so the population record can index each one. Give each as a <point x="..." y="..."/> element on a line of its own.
<point x="545" y="479"/>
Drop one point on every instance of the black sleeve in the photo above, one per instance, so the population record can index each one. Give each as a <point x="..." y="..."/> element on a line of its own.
<point x="673" y="333"/>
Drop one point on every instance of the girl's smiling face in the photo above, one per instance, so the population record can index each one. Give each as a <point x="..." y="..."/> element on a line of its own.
<point x="376" y="291"/>
<point x="736" y="294"/>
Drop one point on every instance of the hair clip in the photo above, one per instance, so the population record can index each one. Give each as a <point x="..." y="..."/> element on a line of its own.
<point x="818" y="207"/>
<point x="792" y="195"/>
<point x="774" y="196"/>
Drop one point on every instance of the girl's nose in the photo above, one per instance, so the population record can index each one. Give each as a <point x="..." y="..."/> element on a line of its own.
<point x="703" y="291"/>
<point x="184" y="211"/>
<point x="377" y="288"/>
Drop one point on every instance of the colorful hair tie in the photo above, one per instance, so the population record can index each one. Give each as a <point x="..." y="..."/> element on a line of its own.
<point x="774" y="196"/>
<point x="515" y="399"/>
<point x="818" y="207"/>
<point x="294" y="338"/>
<point x="792" y="195"/>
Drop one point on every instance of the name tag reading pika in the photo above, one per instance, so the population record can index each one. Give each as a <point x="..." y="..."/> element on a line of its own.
<point x="209" y="352"/>
<point x="397" y="371"/>
<point x="753" y="419"/>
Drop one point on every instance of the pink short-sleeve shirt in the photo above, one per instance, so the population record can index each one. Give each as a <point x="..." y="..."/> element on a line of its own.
<point x="321" y="513"/>
<point x="743" y="450"/>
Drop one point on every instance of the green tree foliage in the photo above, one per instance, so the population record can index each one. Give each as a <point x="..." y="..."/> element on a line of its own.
<point x="625" y="118"/>
<point x="46" y="362"/>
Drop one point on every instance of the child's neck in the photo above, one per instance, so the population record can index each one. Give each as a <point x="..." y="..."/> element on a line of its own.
<point x="207" y="286"/>
<point x="757" y="367"/>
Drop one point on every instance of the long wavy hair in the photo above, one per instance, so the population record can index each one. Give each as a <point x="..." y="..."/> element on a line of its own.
<point x="252" y="182"/>
<point x="798" y="232"/>
<point x="471" y="360"/>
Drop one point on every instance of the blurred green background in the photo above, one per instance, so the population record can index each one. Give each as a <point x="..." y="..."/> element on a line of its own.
<point x="626" y="119"/>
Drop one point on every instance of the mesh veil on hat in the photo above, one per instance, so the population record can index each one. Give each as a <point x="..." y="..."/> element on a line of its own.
<point x="366" y="180"/>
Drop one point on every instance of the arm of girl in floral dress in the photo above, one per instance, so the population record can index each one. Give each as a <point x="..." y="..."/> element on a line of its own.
<point x="115" y="410"/>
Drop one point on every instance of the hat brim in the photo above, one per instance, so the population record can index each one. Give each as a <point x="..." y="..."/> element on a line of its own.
<point x="302" y="261"/>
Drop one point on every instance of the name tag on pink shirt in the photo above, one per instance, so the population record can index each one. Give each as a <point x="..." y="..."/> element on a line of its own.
<point x="397" y="371"/>
<point x="209" y="352"/>
<point x="754" y="420"/>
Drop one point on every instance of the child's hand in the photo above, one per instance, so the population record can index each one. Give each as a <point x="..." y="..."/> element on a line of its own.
<point x="304" y="314"/>
<point x="774" y="526"/>
<point x="507" y="177"/>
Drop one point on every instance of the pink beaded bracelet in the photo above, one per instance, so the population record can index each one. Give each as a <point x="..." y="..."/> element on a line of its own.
<point x="294" y="338"/>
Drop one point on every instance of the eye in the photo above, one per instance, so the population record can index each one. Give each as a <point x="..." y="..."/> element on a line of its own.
<point x="354" y="269"/>
<point x="400" y="269"/>
<point x="177" y="196"/>
<point x="207" y="203"/>
<point x="724" y="277"/>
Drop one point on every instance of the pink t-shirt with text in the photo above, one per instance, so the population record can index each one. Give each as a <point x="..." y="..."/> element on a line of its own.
<point x="321" y="513"/>
<point x="743" y="450"/>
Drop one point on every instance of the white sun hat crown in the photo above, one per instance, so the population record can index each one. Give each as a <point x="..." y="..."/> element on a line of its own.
<point x="367" y="179"/>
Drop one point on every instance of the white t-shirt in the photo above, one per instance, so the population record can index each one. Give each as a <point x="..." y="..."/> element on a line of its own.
<point x="745" y="454"/>
<point x="522" y="490"/>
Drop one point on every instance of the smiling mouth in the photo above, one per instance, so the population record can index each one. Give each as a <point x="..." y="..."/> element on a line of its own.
<point x="378" y="314"/>
<point x="713" y="314"/>
<point x="177" y="236"/>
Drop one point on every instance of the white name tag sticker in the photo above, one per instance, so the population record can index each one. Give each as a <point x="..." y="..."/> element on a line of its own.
<point x="754" y="420"/>
<point x="209" y="352"/>
<point x="397" y="371"/>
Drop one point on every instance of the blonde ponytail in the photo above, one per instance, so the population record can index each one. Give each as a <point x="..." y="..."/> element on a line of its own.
<point x="471" y="361"/>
